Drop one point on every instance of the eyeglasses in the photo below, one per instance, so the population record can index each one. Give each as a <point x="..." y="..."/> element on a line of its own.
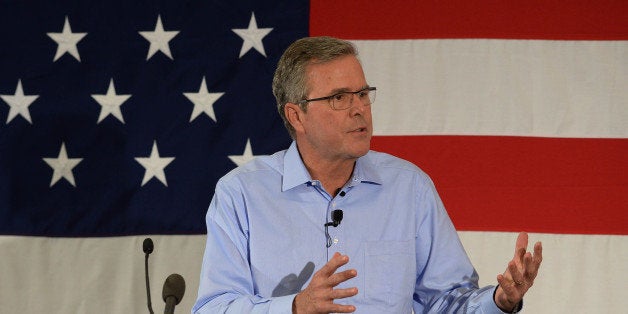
<point x="344" y="100"/>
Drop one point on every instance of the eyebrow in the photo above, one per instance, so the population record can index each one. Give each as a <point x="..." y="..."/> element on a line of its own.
<point x="344" y="89"/>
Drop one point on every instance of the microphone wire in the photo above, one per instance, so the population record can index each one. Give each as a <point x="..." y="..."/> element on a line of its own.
<point x="328" y="244"/>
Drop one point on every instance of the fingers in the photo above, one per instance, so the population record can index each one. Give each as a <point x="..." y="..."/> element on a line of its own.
<point x="334" y="263"/>
<point x="532" y="263"/>
<point x="342" y="276"/>
<point x="523" y="268"/>
<point x="520" y="273"/>
<point x="508" y="294"/>
<point x="521" y="246"/>
<point x="329" y="277"/>
<point x="339" y="308"/>
<point x="330" y="270"/>
<point x="513" y="288"/>
<point x="308" y="301"/>
<point x="538" y="253"/>
<point x="505" y="283"/>
<point x="531" y="267"/>
<point x="517" y="276"/>
<point x="319" y="295"/>
<point x="344" y="293"/>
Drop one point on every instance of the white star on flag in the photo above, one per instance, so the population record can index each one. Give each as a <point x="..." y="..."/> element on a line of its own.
<point x="110" y="103"/>
<point x="66" y="41"/>
<point x="19" y="103"/>
<point x="159" y="39"/>
<point x="154" y="165"/>
<point x="245" y="157"/>
<point x="252" y="37"/>
<point x="203" y="101"/>
<point x="62" y="166"/>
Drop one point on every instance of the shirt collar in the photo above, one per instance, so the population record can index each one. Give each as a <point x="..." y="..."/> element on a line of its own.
<point x="295" y="173"/>
<point x="365" y="171"/>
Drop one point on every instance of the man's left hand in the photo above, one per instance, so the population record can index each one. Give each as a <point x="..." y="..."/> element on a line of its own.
<point x="519" y="275"/>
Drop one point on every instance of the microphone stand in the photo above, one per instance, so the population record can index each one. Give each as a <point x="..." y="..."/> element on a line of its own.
<point x="148" y="248"/>
<point x="173" y="289"/>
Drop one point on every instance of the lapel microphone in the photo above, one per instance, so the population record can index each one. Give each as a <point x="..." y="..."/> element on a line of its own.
<point x="336" y="218"/>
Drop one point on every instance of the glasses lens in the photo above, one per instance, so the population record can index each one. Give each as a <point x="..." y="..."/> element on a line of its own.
<point x="367" y="96"/>
<point x="341" y="101"/>
<point x="372" y="96"/>
<point x="344" y="100"/>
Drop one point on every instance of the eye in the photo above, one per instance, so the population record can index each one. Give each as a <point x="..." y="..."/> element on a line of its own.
<point x="363" y="94"/>
<point x="340" y="97"/>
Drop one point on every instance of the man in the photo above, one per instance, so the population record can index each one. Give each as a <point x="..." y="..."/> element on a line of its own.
<point x="273" y="245"/>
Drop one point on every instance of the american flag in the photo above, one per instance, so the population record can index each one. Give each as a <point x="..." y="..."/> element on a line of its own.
<point x="118" y="117"/>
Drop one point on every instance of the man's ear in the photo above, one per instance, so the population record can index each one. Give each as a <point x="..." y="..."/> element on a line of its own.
<point x="294" y="115"/>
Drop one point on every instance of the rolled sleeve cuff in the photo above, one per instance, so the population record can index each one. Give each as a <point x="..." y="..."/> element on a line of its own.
<point x="281" y="305"/>
<point x="489" y="306"/>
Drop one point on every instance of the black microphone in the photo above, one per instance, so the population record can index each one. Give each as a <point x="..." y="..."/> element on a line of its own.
<point x="336" y="218"/>
<point x="173" y="291"/>
<point x="147" y="246"/>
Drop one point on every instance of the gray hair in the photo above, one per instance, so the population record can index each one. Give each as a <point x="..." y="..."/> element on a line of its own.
<point x="289" y="82"/>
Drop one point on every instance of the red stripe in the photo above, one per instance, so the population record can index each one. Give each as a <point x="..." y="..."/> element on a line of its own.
<point x="533" y="19"/>
<point x="547" y="185"/>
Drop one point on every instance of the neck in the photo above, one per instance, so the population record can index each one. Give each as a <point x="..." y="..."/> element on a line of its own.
<point x="333" y="174"/>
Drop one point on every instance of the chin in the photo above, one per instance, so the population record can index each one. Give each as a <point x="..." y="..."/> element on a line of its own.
<point x="357" y="147"/>
<point x="361" y="151"/>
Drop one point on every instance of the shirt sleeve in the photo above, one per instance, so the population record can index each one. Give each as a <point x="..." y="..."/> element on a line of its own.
<point x="447" y="281"/>
<point x="226" y="284"/>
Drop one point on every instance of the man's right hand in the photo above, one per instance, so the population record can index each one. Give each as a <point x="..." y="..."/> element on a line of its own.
<point x="319" y="295"/>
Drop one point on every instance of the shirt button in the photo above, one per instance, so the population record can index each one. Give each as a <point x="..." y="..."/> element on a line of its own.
<point x="336" y="240"/>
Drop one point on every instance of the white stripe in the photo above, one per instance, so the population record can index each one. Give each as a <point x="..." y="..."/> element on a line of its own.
<point x="94" y="275"/>
<point x="579" y="274"/>
<point x="498" y="87"/>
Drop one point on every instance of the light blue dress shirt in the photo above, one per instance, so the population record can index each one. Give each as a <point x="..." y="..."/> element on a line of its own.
<point x="266" y="237"/>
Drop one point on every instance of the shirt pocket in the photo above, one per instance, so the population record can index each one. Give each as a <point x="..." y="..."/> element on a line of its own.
<point x="390" y="272"/>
